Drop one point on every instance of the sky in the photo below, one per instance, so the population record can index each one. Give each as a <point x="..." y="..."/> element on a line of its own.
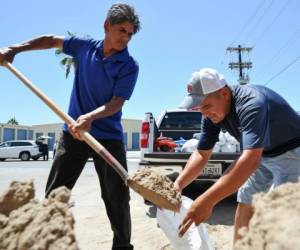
<point x="176" y="39"/>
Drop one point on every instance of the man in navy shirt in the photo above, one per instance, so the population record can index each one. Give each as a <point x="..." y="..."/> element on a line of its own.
<point x="105" y="76"/>
<point x="268" y="130"/>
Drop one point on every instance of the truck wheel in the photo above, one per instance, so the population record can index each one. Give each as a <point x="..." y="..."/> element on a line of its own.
<point x="25" y="156"/>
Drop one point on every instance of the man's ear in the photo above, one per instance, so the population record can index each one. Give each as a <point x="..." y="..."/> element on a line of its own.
<point x="226" y="93"/>
<point x="106" y="25"/>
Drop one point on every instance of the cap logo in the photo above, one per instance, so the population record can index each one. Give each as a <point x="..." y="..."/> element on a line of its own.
<point x="189" y="88"/>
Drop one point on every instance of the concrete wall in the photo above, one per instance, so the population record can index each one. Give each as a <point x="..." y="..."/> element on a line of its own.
<point x="131" y="126"/>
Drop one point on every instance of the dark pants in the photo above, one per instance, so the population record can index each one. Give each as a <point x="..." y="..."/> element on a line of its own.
<point x="45" y="156"/>
<point x="71" y="156"/>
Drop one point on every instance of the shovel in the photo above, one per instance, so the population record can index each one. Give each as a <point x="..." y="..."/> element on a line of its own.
<point x="149" y="194"/>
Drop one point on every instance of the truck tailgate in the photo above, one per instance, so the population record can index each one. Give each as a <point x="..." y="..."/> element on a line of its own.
<point x="165" y="158"/>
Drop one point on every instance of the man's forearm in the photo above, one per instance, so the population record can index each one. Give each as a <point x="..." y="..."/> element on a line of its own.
<point x="41" y="42"/>
<point x="193" y="168"/>
<point x="234" y="178"/>
<point x="108" y="109"/>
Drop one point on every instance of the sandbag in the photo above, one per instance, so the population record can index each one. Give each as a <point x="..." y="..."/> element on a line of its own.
<point x="196" y="237"/>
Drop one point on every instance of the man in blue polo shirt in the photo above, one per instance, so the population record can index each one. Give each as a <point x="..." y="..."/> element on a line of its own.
<point x="268" y="130"/>
<point x="105" y="76"/>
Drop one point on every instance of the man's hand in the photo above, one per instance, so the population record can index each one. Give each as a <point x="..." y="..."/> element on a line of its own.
<point x="83" y="123"/>
<point x="177" y="186"/>
<point x="6" y="55"/>
<point x="200" y="211"/>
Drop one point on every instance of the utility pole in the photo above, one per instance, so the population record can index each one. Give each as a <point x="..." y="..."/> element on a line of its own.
<point x="240" y="65"/>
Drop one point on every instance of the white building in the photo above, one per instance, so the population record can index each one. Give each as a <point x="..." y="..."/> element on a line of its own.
<point x="131" y="129"/>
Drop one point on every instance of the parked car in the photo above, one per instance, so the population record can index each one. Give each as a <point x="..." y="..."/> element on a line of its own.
<point x="19" y="149"/>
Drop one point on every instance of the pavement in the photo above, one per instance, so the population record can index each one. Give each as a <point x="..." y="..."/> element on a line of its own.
<point x="92" y="227"/>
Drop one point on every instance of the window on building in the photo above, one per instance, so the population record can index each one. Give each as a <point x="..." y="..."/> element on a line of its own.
<point x="125" y="141"/>
<point x="21" y="134"/>
<point x="30" y="135"/>
<point x="135" y="141"/>
<point x="8" y="134"/>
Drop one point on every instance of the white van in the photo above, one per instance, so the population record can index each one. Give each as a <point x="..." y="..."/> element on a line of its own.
<point x="20" y="149"/>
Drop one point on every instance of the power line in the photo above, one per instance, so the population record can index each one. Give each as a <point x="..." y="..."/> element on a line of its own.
<point x="275" y="58"/>
<point x="261" y="16"/>
<point x="258" y="7"/>
<point x="281" y="71"/>
<point x="248" y="21"/>
<point x="264" y="32"/>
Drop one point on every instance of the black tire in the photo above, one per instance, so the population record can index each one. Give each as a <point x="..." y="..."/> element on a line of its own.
<point x="25" y="156"/>
<point x="2" y="159"/>
<point x="164" y="148"/>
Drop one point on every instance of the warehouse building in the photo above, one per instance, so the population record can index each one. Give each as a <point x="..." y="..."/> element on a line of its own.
<point x="8" y="132"/>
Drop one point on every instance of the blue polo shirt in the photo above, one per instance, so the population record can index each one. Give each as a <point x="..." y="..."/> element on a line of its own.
<point x="259" y="118"/>
<point x="97" y="80"/>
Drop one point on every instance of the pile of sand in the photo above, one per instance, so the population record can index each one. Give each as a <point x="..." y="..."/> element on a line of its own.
<point x="275" y="224"/>
<point x="221" y="236"/>
<point x="158" y="189"/>
<point x="26" y="223"/>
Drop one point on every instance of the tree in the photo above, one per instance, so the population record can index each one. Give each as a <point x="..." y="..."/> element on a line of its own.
<point x="67" y="61"/>
<point x="13" y="121"/>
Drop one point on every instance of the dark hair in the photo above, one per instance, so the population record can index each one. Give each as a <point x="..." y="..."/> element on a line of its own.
<point x="122" y="12"/>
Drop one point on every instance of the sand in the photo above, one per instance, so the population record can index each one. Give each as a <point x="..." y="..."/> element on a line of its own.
<point x="275" y="224"/>
<point x="26" y="223"/>
<point x="158" y="189"/>
<point x="220" y="235"/>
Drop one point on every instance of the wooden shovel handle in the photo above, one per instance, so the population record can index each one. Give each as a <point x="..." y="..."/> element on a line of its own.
<point x="87" y="137"/>
<point x="184" y="227"/>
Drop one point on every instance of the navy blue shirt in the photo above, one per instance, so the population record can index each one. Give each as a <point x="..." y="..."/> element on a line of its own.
<point x="97" y="80"/>
<point x="258" y="118"/>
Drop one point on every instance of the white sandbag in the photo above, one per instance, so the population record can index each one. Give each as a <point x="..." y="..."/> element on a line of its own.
<point x="190" y="145"/>
<point x="196" y="237"/>
<point x="231" y="139"/>
<point x="228" y="148"/>
<point x="222" y="139"/>
<point x="217" y="148"/>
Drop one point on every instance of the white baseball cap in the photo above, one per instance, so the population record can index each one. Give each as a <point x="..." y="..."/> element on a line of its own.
<point x="202" y="83"/>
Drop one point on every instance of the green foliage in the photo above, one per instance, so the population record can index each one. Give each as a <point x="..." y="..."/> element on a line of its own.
<point x="13" y="121"/>
<point x="67" y="62"/>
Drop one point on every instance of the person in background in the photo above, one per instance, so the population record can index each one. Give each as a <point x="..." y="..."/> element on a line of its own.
<point x="268" y="130"/>
<point x="105" y="77"/>
<point x="45" y="151"/>
<point x="54" y="149"/>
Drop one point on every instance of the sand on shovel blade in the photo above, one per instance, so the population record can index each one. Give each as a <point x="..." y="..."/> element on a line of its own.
<point x="158" y="189"/>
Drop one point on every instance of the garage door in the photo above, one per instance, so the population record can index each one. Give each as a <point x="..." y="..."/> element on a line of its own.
<point x="135" y="141"/>
<point x="8" y="134"/>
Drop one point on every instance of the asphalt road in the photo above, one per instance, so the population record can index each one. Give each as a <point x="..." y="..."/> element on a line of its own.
<point x="38" y="171"/>
<point x="89" y="208"/>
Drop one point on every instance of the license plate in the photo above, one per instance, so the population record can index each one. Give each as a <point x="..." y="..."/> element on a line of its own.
<point x="212" y="170"/>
